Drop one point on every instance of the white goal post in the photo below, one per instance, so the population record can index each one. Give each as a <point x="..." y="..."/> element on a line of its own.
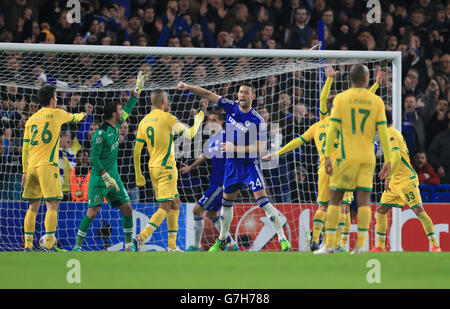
<point x="291" y="62"/>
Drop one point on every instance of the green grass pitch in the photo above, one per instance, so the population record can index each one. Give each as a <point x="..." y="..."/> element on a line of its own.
<point x="224" y="270"/>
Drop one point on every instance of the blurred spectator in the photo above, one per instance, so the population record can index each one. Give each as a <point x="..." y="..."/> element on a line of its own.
<point x="79" y="177"/>
<point x="438" y="108"/>
<point x="413" y="126"/>
<point x="299" y="32"/>
<point x="439" y="155"/>
<point x="424" y="170"/>
<point x="64" y="31"/>
<point x="180" y="25"/>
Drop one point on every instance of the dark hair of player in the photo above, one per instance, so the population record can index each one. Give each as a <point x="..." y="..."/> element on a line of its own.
<point x="157" y="96"/>
<point x="109" y="109"/>
<point x="389" y="117"/>
<point x="46" y="93"/>
<point x="358" y="73"/>
<point x="252" y="89"/>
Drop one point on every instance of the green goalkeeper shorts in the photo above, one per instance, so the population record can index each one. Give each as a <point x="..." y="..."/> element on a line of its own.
<point x="97" y="192"/>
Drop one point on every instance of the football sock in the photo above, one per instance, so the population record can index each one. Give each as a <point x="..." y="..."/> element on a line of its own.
<point x="331" y="224"/>
<point x="364" y="214"/>
<point x="318" y="221"/>
<point x="29" y="228"/>
<point x="83" y="228"/>
<point x="340" y="229"/>
<point x="155" y="221"/>
<point x="172" y="228"/>
<point x="127" y="225"/>
<point x="273" y="216"/>
<point x="227" y="217"/>
<point x="428" y="227"/>
<point x="381" y="229"/>
<point x="51" y="220"/>
<point x="198" y="230"/>
<point x="346" y="231"/>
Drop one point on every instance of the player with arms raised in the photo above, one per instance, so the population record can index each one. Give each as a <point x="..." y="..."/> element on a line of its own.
<point x="40" y="157"/>
<point x="157" y="130"/>
<point x="357" y="114"/>
<point x="105" y="181"/>
<point x="401" y="187"/>
<point x="246" y="136"/>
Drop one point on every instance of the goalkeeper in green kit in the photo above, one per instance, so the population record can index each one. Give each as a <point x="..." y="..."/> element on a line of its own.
<point x="105" y="180"/>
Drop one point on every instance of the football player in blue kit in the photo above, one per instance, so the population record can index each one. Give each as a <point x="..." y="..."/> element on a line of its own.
<point x="211" y="201"/>
<point x="246" y="136"/>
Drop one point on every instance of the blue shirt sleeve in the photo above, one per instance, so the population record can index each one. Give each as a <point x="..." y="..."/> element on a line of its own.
<point x="227" y="105"/>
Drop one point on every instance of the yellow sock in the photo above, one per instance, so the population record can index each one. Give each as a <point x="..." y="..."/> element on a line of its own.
<point x="364" y="214"/>
<point x="428" y="227"/>
<point x="339" y="230"/>
<point x="155" y="221"/>
<point x="318" y="221"/>
<point x="172" y="227"/>
<point x="51" y="220"/>
<point x="29" y="228"/>
<point x="346" y="231"/>
<point x="333" y="215"/>
<point x="381" y="230"/>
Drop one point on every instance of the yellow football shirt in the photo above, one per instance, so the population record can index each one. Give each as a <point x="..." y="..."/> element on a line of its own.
<point x="318" y="132"/>
<point x="404" y="172"/>
<point x="157" y="130"/>
<point x="357" y="112"/>
<point x="42" y="132"/>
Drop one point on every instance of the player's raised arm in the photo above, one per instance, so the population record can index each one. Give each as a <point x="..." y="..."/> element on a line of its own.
<point x="330" y="74"/>
<point x="204" y="93"/>
<point x="131" y="103"/>
<point x="189" y="133"/>
<point x="379" y="80"/>
<point x="294" y="144"/>
<point x="65" y="117"/>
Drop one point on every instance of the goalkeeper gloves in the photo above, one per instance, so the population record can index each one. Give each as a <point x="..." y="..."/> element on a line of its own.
<point x="110" y="182"/>
<point x="140" y="81"/>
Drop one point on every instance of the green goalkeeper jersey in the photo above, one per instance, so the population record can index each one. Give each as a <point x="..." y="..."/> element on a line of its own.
<point x="105" y="144"/>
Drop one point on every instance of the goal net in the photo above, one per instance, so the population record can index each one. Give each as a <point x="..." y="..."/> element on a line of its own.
<point x="288" y="86"/>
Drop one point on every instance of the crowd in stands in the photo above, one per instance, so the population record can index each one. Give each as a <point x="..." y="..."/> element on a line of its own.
<point x="417" y="28"/>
